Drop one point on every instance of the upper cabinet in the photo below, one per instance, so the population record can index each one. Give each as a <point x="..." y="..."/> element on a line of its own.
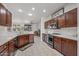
<point x="68" y="19"/>
<point x="61" y="21"/>
<point x="9" y="18"/>
<point x="5" y="16"/>
<point x="51" y="23"/>
<point x="2" y="15"/>
<point x="71" y="18"/>
<point x="45" y="25"/>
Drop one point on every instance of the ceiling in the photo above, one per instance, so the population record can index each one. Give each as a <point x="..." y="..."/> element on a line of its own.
<point x="37" y="13"/>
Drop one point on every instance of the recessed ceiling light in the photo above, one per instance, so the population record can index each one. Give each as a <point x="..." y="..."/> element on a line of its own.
<point x="44" y="10"/>
<point x="29" y="14"/>
<point x="33" y="8"/>
<point x="20" y="10"/>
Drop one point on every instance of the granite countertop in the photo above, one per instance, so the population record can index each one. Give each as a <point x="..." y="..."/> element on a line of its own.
<point x="7" y="36"/>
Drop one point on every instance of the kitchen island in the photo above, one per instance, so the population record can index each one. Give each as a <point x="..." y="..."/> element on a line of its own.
<point x="11" y="41"/>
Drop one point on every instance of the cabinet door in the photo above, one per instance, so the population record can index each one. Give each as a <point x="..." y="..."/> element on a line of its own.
<point x="9" y="18"/>
<point x="4" y="50"/>
<point x="23" y="40"/>
<point x="72" y="48"/>
<point x="64" y="46"/>
<point x="11" y="47"/>
<point x="69" y="47"/>
<point x="61" y="21"/>
<point x="49" y="22"/>
<point x="57" y="43"/>
<point x="46" y="25"/>
<point x="71" y="18"/>
<point x="31" y="38"/>
<point x="2" y="15"/>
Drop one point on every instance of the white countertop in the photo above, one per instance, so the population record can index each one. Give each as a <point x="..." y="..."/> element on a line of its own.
<point x="67" y="36"/>
<point x="70" y="32"/>
<point x="7" y="36"/>
<point x="72" y="37"/>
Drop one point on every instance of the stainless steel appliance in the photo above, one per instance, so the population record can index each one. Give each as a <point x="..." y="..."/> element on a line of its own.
<point x="50" y="40"/>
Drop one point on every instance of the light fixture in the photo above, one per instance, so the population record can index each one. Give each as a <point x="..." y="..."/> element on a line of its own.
<point x="33" y="8"/>
<point x="44" y="10"/>
<point x="29" y="14"/>
<point x="20" y="10"/>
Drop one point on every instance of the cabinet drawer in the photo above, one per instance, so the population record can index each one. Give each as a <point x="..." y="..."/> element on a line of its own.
<point x="3" y="47"/>
<point x="4" y="52"/>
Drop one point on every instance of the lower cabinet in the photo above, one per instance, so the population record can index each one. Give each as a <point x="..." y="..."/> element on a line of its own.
<point x="22" y="40"/>
<point x="11" y="47"/>
<point x="57" y="43"/>
<point x="67" y="47"/>
<point x="31" y="38"/>
<point x="8" y="49"/>
<point x="4" y="50"/>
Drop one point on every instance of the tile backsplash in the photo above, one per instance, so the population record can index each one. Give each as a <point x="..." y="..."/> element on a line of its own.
<point x="3" y="29"/>
<point x="66" y="31"/>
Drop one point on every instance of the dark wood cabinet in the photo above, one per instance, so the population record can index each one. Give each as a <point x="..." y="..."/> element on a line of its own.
<point x="45" y="25"/>
<point x="5" y="16"/>
<point x="49" y="23"/>
<point x="68" y="19"/>
<point x="67" y="47"/>
<point x="8" y="49"/>
<point x="2" y="15"/>
<point x="11" y="47"/>
<point x="31" y="38"/>
<point x="9" y="18"/>
<point x="4" y="50"/>
<point x="71" y="18"/>
<point x="22" y="40"/>
<point x="64" y="46"/>
<point x="61" y="21"/>
<point x="57" y="43"/>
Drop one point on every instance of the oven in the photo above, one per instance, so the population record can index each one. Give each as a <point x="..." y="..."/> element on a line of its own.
<point x="50" y="40"/>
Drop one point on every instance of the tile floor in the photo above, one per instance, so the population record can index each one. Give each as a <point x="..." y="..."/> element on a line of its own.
<point x="39" y="48"/>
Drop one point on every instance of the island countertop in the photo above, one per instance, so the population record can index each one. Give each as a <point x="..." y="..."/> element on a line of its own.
<point x="7" y="36"/>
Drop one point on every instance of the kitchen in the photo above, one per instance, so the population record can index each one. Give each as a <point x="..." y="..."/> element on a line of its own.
<point x="53" y="29"/>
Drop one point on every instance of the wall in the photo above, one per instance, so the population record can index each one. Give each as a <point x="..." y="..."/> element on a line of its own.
<point x="36" y="26"/>
<point x="3" y="30"/>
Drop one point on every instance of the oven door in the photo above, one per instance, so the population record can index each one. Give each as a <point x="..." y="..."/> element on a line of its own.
<point x="50" y="40"/>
